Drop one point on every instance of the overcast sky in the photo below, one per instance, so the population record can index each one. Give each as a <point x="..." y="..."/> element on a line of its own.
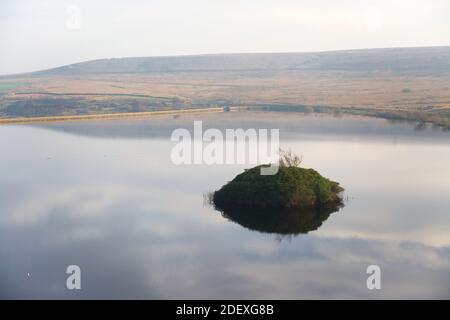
<point x="39" y="34"/>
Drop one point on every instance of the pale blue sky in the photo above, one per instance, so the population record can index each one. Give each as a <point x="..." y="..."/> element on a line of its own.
<point x="34" y="35"/>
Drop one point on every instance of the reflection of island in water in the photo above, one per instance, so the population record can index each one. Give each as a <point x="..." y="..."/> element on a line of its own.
<point x="280" y="221"/>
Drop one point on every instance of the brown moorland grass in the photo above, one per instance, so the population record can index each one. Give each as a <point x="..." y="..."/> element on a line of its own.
<point x="392" y="95"/>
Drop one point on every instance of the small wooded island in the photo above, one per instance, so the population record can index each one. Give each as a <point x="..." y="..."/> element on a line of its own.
<point x="290" y="188"/>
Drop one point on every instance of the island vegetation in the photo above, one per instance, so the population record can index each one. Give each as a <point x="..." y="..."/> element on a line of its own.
<point x="290" y="188"/>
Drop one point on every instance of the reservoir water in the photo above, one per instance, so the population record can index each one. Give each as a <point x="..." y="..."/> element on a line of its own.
<point x="105" y="195"/>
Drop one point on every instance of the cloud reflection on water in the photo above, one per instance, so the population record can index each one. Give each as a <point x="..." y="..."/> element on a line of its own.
<point x="137" y="226"/>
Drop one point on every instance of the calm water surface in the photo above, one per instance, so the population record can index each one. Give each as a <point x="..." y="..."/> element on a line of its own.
<point x="105" y="195"/>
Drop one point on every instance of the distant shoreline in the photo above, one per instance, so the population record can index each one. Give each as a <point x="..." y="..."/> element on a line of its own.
<point x="107" y="116"/>
<point x="393" y="115"/>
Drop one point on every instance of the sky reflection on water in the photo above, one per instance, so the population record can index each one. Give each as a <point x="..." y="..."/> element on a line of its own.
<point x="111" y="202"/>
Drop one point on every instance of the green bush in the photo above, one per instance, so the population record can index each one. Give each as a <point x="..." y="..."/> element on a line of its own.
<point x="291" y="187"/>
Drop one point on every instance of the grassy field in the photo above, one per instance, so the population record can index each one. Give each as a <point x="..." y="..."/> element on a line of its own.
<point x="6" y="86"/>
<point x="407" y="84"/>
<point x="421" y="98"/>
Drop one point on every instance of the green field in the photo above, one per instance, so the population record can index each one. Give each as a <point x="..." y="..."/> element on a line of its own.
<point x="11" y="85"/>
